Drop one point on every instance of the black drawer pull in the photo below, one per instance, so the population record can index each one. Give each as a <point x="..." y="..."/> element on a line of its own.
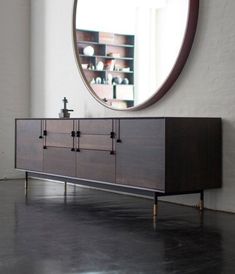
<point x="78" y="150"/>
<point x="112" y="135"/>
<point x="44" y="147"/>
<point x="45" y="132"/>
<point x="78" y="133"/>
<point x="73" y="133"/>
<point x="119" y="140"/>
<point x="72" y="149"/>
<point x="112" y="152"/>
<point x="40" y="137"/>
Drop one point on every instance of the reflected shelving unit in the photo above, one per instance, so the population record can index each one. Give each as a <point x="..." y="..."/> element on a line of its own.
<point x="109" y="69"/>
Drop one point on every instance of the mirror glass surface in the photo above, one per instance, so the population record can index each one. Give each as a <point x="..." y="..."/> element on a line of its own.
<point x="126" y="50"/>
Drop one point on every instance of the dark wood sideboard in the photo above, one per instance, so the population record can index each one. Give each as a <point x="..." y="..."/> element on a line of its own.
<point x="150" y="156"/>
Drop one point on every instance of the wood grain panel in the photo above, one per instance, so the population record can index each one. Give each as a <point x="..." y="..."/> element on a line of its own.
<point x="140" y="157"/>
<point x="29" y="148"/>
<point x="59" y="140"/>
<point x="97" y="126"/>
<point x="214" y="153"/>
<point x="100" y="142"/>
<point x="193" y="153"/>
<point x="59" y="161"/>
<point x="59" y="126"/>
<point x="96" y="165"/>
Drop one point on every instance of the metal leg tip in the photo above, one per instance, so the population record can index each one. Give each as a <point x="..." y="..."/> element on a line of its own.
<point x="155" y="209"/>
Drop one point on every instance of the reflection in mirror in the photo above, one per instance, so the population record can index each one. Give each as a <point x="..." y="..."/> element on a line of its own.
<point x="128" y="49"/>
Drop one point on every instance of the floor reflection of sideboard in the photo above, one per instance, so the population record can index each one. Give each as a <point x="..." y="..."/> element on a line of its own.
<point x="160" y="156"/>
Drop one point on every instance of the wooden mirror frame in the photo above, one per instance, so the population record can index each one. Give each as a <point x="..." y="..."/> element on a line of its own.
<point x="177" y="68"/>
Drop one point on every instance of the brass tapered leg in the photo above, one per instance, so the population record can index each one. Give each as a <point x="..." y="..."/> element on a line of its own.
<point x="65" y="188"/>
<point x="155" y="205"/>
<point x="155" y="208"/>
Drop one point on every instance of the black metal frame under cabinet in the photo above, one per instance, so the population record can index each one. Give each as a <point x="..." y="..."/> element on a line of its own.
<point x="151" y="156"/>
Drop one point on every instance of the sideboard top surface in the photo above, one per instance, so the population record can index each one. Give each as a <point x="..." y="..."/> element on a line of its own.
<point x="101" y="118"/>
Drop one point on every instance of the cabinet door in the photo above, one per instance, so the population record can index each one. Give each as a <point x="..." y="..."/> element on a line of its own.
<point x="59" y="133"/>
<point x="96" y="165"/>
<point x="140" y="156"/>
<point x="59" y="161"/>
<point x="29" y="147"/>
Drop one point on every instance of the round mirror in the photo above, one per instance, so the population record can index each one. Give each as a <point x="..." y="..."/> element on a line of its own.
<point x="130" y="53"/>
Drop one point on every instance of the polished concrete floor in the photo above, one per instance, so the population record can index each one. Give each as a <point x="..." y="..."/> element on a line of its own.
<point x="96" y="232"/>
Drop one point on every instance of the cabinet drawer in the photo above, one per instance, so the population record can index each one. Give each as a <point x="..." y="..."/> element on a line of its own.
<point x="96" y="126"/>
<point x="59" y="126"/>
<point x="99" y="142"/>
<point x="59" y="140"/>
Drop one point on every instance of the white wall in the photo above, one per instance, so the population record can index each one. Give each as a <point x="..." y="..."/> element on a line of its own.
<point x="14" y="76"/>
<point x="205" y="87"/>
